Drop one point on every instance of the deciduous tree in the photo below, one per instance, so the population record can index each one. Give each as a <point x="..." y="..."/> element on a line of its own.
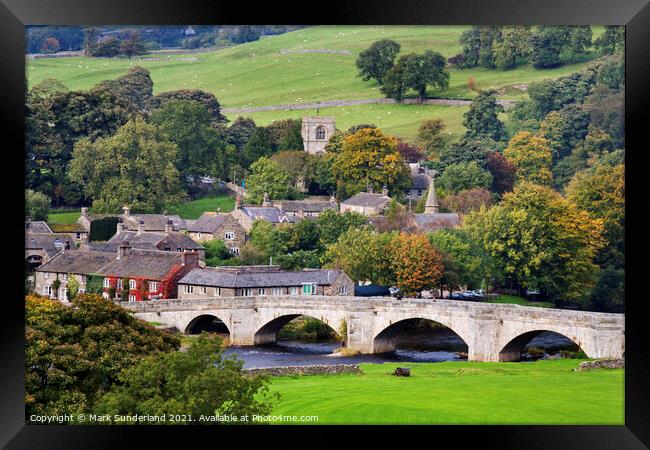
<point x="532" y="157"/>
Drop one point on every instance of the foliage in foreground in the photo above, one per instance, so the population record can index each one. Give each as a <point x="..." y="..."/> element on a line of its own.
<point x="197" y="382"/>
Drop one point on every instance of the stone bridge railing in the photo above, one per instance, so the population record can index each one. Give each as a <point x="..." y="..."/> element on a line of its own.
<point x="492" y="332"/>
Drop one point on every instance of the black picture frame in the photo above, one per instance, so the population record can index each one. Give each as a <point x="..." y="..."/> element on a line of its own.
<point x="634" y="14"/>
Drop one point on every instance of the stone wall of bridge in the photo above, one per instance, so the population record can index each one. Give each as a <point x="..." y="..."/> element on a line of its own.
<point x="492" y="332"/>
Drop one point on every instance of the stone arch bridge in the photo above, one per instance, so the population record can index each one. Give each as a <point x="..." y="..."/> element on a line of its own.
<point x="492" y="332"/>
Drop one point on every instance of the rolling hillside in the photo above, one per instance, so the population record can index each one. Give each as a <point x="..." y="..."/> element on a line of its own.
<point x="305" y="66"/>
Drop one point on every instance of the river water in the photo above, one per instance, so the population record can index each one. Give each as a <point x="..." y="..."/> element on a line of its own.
<point x="437" y="346"/>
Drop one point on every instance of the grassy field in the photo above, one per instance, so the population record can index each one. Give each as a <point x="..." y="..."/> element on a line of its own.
<point x="63" y="216"/>
<point x="518" y="301"/>
<point x="543" y="392"/>
<point x="308" y="65"/>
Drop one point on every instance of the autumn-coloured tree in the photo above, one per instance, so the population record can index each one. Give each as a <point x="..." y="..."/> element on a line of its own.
<point x="409" y="152"/>
<point x="466" y="201"/>
<point x="430" y="137"/>
<point x="369" y="158"/>
<point x="503" y="172"/>
<point x="51" y="45"/>
<point x="415" y="263"/>
<point x="532" y="156"/>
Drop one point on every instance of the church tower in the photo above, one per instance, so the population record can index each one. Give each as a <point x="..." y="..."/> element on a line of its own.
<point x="316" y="133"/>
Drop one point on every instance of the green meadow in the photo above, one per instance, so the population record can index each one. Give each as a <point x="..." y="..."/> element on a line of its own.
<point x="543" y="392"/>
<point x="304" y="66"/>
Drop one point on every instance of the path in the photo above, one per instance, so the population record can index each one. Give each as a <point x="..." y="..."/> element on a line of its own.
<point x="368" y="101"/>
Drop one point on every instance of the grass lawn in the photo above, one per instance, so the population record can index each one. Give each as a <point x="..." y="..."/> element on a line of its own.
<point x="194" y="209"/>
<point x="308" y="65"/>
<point x="519" y="301"/>
<point x="543" y="392"/>
<point x="65" y="217"/>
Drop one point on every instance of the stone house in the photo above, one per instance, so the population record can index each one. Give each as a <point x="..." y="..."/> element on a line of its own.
<point x="367" y="203"/>
<point x="130" y="274"/>
<point x="302" y="209"/>
<point x="223" y="226"/>
<point x="247" y="281"/>
<point x="316" y="133"/>
<point x="246" y="215"/>
<point x="151" y="222"/>
<point x="41" y="247"/>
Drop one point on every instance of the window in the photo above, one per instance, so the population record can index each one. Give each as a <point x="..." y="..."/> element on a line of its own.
<point x="46" y="274"/>
<point x="309" y="289"/>
<point x="188" y="289"/>
<point x="262" y="291"/>
<point x="64" y="277"/>
<point x="294" y="291"/>
<point x="204" y="290"/>
<point x="234" y="250"/>
<point x="132" y="298"/>
<point x="179" y="249"/>
<point x="47" y="291"/>
<point x="248" y="292"/>
<point x="107" y="282"/>
<point x="153" y="286"/>
<point x="320" y="132"/>
<point x="168" y="249"/>
<point x="230" y="235"/>
<point x="343" y="290"/>
<point x="217" y="292"/>
<point x="83" y="279"/>
<point x="277" y="291"/>
<point x="131" y="284"/>
<point x="82" y="291"/>
<point x="78" y="235"/>
<point x="198" y="235"/>
<point x="120" y="285"/>
<point x="63" y="294"/>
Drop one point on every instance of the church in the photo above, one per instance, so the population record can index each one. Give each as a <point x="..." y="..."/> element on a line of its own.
<point x="316" y="133"/>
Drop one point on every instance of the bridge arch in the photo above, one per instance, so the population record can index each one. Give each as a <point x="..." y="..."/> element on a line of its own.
<point x="384" y="340"/>
<point x="511" y="351"/>
<point x="206" y="322"/>
<point x="268" y="332"/>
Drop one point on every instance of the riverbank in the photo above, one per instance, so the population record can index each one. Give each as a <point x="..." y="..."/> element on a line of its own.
<point x="542" y="392"/>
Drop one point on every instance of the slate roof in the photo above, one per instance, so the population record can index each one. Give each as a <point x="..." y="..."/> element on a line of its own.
<point x="47" y="242"/>
<point x="229" y="278"/>
<point x="436" y="221"/>
<point x="209" y="222"/>
<point x="37" y="226"/>
<point x="367" y="199"/>
<point x="140" y="263"/>
<point x="153" y="222"/>
<point x="268" y="213"/>
<point x="76" y="261"/>
<point x="106" y="247"/>
<point x="151" y="241"/>
<point x="297" y="206"/>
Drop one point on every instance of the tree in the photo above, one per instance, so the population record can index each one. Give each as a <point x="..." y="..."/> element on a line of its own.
<point x="564" y="129"/>
<point x="135" y="89"/>
<point x="606" y="109"/>
<point x="601" y="192"/>
<point x="532" y="157"/>
<point x="416" y="264"/>
<point x="286" y="134"/>
<point x="299" y="165"/>
<point x="74" y="354"/>
<point x="470" y="40"/>
<point x="410" y="153"/>
<point x="362" y="254"/>
<point x="466" y="201"/>
<point x="206" y="98"/>
<point x="369" y="158"/>
<point x="612" y="40"/>
<point x="546" y="45"/>
<point x="537" y="239"/>
<point x="579" y="42"/>
<point x="466" y="150"/>
<point x="462" y="176"/>
<point x="481" y="120"/>
<point x="133" y="167"/>
<point x="37" y="205"/>
<point x="199" y="381"/>
<point x="72" y="287"/>
<point x="469" y="265"/>
<point x="107" y="47"/>
<point x="132" y="44"/>
<point x="503" y="172"/>
<point x="416" y="72"/>
<point x="240" y="131"/>
<point x="50" y="45"/>
<point x="91" y="35"/>
<point x="266" y="177"/>
<point x="609" y="292"/>
<point x="200" y="153"/>
<point x="332" y="224"/>
<point x="260" y="144"/>
<point x="430" y="137"/>
<point x="513" y="44"/>
<point x="216" y="253"/>
<point x="375" y="61"/>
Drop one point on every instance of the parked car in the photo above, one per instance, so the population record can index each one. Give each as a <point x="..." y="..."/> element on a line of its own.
<point x="395" y="292"/>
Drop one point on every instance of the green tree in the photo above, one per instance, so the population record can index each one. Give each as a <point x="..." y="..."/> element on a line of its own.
<point x="37" y="205"/>
<point x="73" y="287"/>
<point x="266" y="177"/>
<point x="199" y="381"/>
<point x="216" y="253"/>
<point x="430" y="137"/>
<point x="609" y="292"/>
<point x="546" y="45"/>
<point x="564" y="129"/>
<point x="537" y="239"/>
<point x="133" y="167"/>
<point x="107" y="47"/>
<point x="132" y="44"/>
<point x="286" y="134"/>
<point x="470" y="265"/>
<point x="462" y="176"/>
<point x="416" y="72"/>
<point x="260" y="144"/>
<point x="332" y="224"/>
<point x="186" y="123"/>
<point x="206" y="98"/>
<point x="612" y="40"/>
<point x="481" y="120"/>
<point x="134" y="89"/>
<point x="74" y="354"/>
<point x="513" y="45"/>
<point x="532" y="157"/>
<point x="375" y="61"/>
<point x="369" y="158"/>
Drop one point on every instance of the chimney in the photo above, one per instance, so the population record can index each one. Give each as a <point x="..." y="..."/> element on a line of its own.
<point x="126" y="210"/>
<point x="169" y="226"/>
<point x="266" y="201"/>
<point x="83" y="241"/>
<point x="384" y="191"/>
<point x="123" y="249"/>
<point x="84" y="211"/>
<point x="120" y="227"/>
<point x="140" y="226"/>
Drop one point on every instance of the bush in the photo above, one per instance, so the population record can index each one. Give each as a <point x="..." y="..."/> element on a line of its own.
<point x="37" y="205"/>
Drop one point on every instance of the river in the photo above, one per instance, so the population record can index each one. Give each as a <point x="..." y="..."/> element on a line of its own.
<point x="436" y="346"/>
